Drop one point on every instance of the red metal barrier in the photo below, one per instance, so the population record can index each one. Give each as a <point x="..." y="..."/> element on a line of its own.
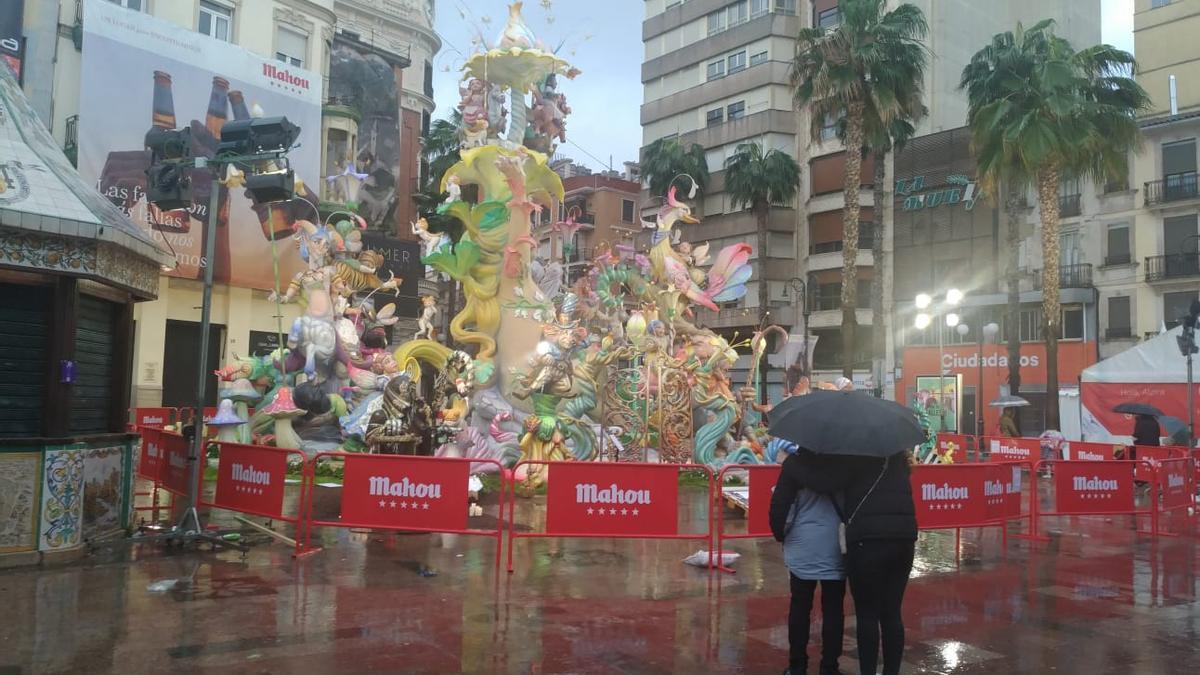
<point x="1004" y="449"/>
<point x="960" y="447"/>
<point x="1085" y="488"/>
<point x="954" y="496"/>
<point x="611" y="500"/>
<point x="173" y="467"/>
<point x="153" y="417"/>
<point x="251" y="480"/>
<point x="150" y="467"/>
<point x="1153" y="456"/>
<point x="403" y="492"/>
<point x="1082" y="451"/>
<point x="1178" y="490"/>
<point x="760" y="483"/>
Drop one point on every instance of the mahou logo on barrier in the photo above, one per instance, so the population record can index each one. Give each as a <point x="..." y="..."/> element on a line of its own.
<point x="151" y="417"/>
<point x="1081" y="451"/>
<point x="612" y="499"/>
<point x="251" y="479"/>
<point x="1093" y="487"/>
<point x="950" y="495"/>
<point x="175" y="465"/>
<point x="150" y="458"/>
<point x="400" y="492"/>
<point x="1014" y="449"/>
<point x="1174" y="476"/>
<point x="762" y="486"/>
<point x="953" y="444"/>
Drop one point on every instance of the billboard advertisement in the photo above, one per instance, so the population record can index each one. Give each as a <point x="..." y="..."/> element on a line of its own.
<point x="140" y="72"/>
<point x="12" y="40"/>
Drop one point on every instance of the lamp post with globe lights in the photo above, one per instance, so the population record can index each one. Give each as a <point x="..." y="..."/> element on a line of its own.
<point x="931" y="311"/>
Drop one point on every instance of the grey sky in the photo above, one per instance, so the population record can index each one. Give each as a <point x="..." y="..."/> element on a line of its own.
<point x="603" y="39"/>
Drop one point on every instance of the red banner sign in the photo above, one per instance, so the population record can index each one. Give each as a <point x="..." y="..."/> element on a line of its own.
<point x="762" y="482"/>
<point x="1093" y="487"/>
<point x="151" y="454"/>
<point x="152" y="417"/>
<point x="1014" y="449"/>
<point x="397" y="492"/>
<point x="1080" y="451"/>
<point x="955" y="445"/>
<point x="1176" y="485"/>
<point x="174" y="469"/>
<point x="251" y="479"/>
<point x="618" y="499"/>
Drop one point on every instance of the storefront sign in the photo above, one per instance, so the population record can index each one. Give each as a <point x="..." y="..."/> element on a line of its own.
<point x="762" y="486"/>
<point x="402" y="493"/>
<point x="251" y="479"/>
<point x="1093" y="487"/>
<point x="612" y="499"/>
<point x="139" y="72"/>
<point x="961" y="190"/>
<point x="402" y="259"/>
<point x="263" y="342"/>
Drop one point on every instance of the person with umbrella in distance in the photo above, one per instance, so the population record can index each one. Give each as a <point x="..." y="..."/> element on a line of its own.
<point x="1145" y="425"/>
<point x="859" y="447"/>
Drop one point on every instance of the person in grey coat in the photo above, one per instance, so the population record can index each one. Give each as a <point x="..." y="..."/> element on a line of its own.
<point x="806" y="523"/>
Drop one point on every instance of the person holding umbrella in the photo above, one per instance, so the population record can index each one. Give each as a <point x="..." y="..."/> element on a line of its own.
<point x="1145" y="425"/>
<point x="859" y="447"/>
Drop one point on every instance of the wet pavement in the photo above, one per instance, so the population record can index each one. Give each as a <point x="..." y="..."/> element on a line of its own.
<point x="1098" y="598"/>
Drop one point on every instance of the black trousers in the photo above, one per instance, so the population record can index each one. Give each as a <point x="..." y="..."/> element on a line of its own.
<point x="833" y="622"/>
<point x="878" y="570"/>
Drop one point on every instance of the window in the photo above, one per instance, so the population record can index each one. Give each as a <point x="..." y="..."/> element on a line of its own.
<point x="759" y="7"/>
<point x="785" y="6"/>
<point x="828" y="18"/>
<point x="1155" y="4"/>
<point x="1178" y="159"/>
<point x="829" y="128"/>
<point x="1072" y="323"/>
<point x="1118" y="251"/>
<point x="714" y="117"/>
<point x="290" y="46"/>
<point x="739" y="12"/>
<point x="758" y="58"/>
<point x="1118" y="318"/>
<point x="736" y="111"/>
<point x="627" y="210"/>
<point x="136" y="5"/>
<point x="1176" y="230"/>
<point x="737" y="62"/>
<point x="1176" y="306"/>
<point x="216" y="20"/>
<point x="716" y="22"/>
<point x="1070" y="249"/>
<point x="716" y="70"/>
<point x="429" y="79"/>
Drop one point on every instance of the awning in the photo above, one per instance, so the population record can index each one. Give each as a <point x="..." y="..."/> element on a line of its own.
<point x="51" y="220"/>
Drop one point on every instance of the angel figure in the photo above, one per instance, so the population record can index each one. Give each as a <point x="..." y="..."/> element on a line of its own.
<point x="431" y="242"/>
<point x="453" y="190"/>
<point x="425" y="325"/>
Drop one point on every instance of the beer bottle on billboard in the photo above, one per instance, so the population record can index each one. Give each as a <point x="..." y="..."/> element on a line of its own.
<point x="163" y="106"/>
<point x="218" y="103"/>
<point x="238" y="103"/>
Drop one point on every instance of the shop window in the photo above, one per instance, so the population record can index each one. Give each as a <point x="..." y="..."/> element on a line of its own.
<point x="216" y="20"/>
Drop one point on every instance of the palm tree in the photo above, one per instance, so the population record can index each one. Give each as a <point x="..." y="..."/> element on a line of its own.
<point x="439" y="152"/>
<point x="1038" y="109"/>
<point x="865" y="67"/>
<point x="665" y="159"/>
<point x="758" y="180"/>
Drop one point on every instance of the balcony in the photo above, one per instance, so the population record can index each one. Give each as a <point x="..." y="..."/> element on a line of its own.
<point x="1118" y="259"/>
<point x="866" y="239"/>
<point x="1174" y="266"/>
<point x="1118" y="333"/>
<point x="1173" y="188"/>
<point x="1068" y="206"/>
<point x="1069" y="276"/>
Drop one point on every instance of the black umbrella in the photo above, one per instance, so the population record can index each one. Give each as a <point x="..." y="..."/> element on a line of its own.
<point x="1175" y="428"/>
<point x="1135" y="408"/>
<point x="846" y="423"/>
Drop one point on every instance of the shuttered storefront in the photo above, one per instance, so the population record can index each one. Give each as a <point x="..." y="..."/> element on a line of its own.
<point x="24" y="340"/>
<point x="92" y="400"/>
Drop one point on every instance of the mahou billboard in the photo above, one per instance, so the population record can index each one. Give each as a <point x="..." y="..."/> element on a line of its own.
<point x="139" y="72"/>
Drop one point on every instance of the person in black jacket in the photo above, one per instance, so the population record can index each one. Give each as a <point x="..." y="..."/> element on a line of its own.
<point x="881" y="535"/>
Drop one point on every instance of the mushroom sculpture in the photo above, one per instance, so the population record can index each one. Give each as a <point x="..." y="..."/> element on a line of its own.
<point x="243" y="394"/>
<point x="227" y="422"/>
<point x="283" y="410"/>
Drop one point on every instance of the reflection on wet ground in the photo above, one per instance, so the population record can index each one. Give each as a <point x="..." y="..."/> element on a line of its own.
<point x="1098" y="598"/>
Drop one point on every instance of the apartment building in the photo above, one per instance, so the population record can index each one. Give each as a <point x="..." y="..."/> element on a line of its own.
<point x="716" y="73"/>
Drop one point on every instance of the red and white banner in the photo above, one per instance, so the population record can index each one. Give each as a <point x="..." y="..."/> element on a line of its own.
<point x="251" y="479"/>
<point x="152" y="417"/>
<point x="1176" y="484"/>
<point x="174" y="469"/>
<point x="398" y="492"/>
<point x="1010" y="476"/>
<point x="617" y="499"/>
<point x="1014" y="449"/>
<point x="150" y="457"/>
<point x="949" y="495"/>
<point x="1093" y="487"/>
<point x="955" y="445"/>
<point x="762" y="482"/>
<point x="1081" y="451"/>
<point x="1154" y="456"/>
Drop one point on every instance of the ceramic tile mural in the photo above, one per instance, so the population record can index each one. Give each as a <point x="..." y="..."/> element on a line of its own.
<point x="103" y="473"/>
<point x="62" y="499"/>
<point x="18" y="500"/>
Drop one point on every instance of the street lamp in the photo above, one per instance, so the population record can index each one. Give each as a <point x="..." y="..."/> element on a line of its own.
<point x="801" y="300"/>
<point x="924" y="301"/>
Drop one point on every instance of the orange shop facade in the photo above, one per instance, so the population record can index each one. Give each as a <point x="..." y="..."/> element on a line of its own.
<point x="965" y="365"/>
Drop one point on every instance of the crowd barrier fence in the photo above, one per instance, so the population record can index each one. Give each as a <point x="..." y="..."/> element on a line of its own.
<point x="760" y="483"/>
<point x="251" y="480"/>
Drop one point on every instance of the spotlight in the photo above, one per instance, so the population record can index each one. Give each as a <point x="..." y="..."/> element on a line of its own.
<point x="923" y="300"/>
<point x="952" y="319"/>
<point x="257" y="135"/>
<point x="923" y="321"/>
<point x="277" y="186"/>
<point x="168" y="186"/>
